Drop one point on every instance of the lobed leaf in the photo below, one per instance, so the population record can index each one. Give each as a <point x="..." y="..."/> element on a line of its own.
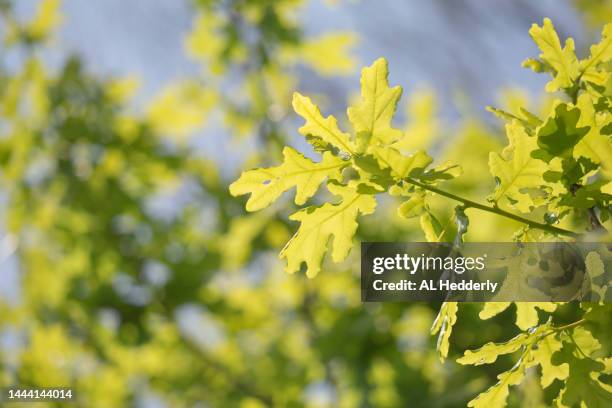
<point x="489" y="352"/>
<point x="266" y="185"/>
<point x="325" y="129"/>
<point x="595" y="146"/>
<point x="496" y="395"/>
<point x="582" y="385"/>
<point x="413" y="207"/>
<point x="431" y="227"/>
<point x="538" y="347"/>
<point x="491" y="309"/>
<point x="542" y="355"/>
<point x="600" y="53"/>
<point x="585" y="340"/>
<point x="371" y="117"/>
<point x="563" y="61"/>
<point x="526" y="313"/>
<point x="319" y="224"/>
<point x="401" y="166"/>
<point x="515" y="169"/>
<point x="447" y="316"/>
<point x="558" y="136"/>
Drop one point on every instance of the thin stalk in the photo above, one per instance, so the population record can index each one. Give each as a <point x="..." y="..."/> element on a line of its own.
<point x="495" y="210"/>
<point x="571" y="325"/>
<point x="554" y="330"/>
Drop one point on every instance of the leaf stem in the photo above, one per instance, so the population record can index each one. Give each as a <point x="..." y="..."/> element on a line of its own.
<point x="569" y="326"/>
<point x="554" y="330"/>
<point x="495" y="210"/>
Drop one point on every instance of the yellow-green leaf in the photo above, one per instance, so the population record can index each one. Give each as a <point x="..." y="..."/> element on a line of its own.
<point x="515" y="169"/>
<point x="585" y="340"/>
<point x="525" y="118"/>
<point x="325" y="129"/>
<point x="562" y="60"/>
<point x="447" y="316"/>
<point x="537" y="346"/>
<point x="371" y="118"/>
<point x="489" y="352"/>
<point x="594" y="145"/>
<point x="496" y="395"/>
<point x="527" y="315"/>
<point x="413" y="207"/>
<point x="542" y="355"/>
<point x="319" y="224"/>
<point x="582" y="386"/>
<point x="600" y="52"/>
<point x="266" y="185"/>
<point x="401" y="166"/>
<point x="491" y="309"/>
<point x="607" y="362"/>
<point x="431" y="227"/>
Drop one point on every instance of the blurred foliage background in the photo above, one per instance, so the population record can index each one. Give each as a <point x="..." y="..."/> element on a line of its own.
<point x="129" y="273"/>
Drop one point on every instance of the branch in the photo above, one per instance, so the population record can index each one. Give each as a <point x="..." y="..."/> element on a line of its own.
<point x="495" y="210"/>
<point x="571" y="325"/>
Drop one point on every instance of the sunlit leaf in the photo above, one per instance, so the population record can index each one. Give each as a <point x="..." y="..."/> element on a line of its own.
<point x="371" y="117"/>
<point x="562" y="60"/>
<point x="266" y="185"/>
<point x="319" y="224"/>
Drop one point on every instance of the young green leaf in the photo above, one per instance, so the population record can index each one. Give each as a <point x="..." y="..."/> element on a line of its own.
<point x="447" y="316"/>
<point x="584" y="339"/>
<point x="515" y="169"/>
<point x="319" y="224"/>
<point x="431" y="227"/>
<point x="563" y="61"/>
<point x="371" y="118"/>
<point x="595" y="146"/>
<point x="413" y="207"/>
<point x="542" y="354"/>
<point x="600" y="53"/>
<point x="462" y="222"/>
<point x="496" y="395"/>
<point x="266" y="185"/>
<point x="401" y="166"/>
<point x="537" y="347"/>
<point x="526" y="313"/>
<point x="318" y="127"/>
<point x="491" y="309"/>
<point x="558" y="136"/>
<point x="529" y="123"/>
<point x="488" y="353"/>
